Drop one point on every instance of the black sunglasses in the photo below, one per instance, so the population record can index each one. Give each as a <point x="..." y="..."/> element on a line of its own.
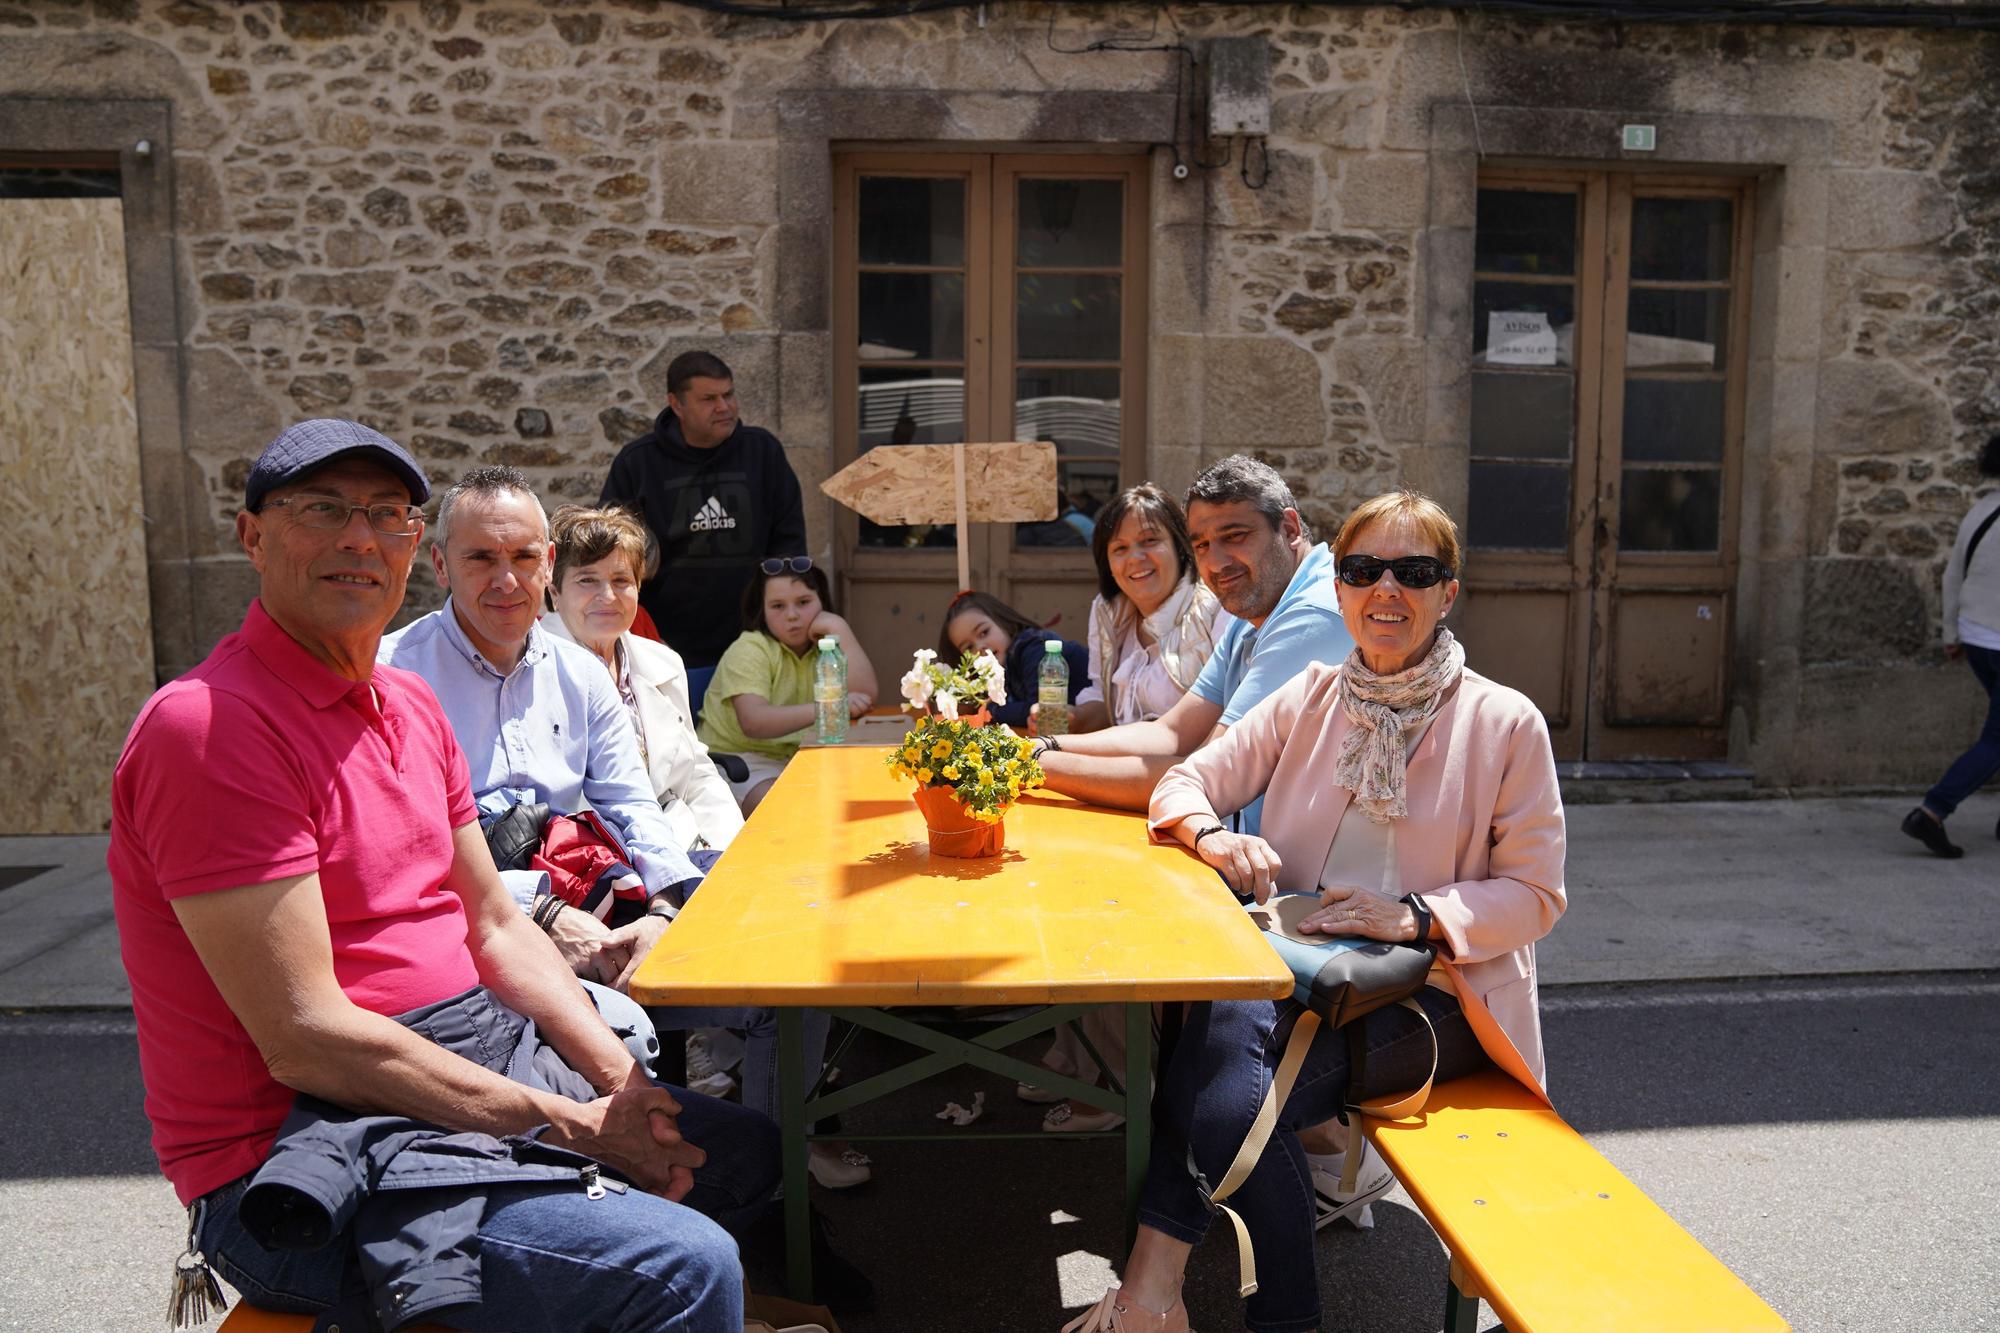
<point x="787" y="564"/>
<point x="1412" y="571"/>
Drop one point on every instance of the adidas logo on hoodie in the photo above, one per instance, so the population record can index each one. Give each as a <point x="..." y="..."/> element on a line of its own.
<point x="711" y="517"/>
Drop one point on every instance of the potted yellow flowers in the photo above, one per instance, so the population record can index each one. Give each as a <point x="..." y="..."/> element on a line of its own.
<point x="968" y="771"/>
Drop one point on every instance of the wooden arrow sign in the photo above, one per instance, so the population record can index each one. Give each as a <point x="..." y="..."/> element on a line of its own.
<point x="950" y="483"/>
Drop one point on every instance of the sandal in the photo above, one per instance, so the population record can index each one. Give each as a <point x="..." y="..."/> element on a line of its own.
<point x="1108" y="1316"/>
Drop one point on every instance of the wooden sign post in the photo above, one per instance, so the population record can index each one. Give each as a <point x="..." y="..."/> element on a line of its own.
<point x="990" y="483"/>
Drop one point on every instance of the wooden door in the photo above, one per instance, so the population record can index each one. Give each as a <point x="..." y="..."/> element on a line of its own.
<point x="1608" y="362"/>
<point x="987" y="297"/>
<point x="76" y="657"/>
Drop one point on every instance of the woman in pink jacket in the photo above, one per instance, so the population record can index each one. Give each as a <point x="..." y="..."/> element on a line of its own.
<point x="1418" y="799"/>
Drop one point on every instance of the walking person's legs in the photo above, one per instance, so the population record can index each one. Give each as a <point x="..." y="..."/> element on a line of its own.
<point x="1970" y="771"/>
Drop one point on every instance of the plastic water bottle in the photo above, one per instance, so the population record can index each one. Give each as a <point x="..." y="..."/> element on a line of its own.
<point x="830" y="693"/>
<point x="1052" y="691"/>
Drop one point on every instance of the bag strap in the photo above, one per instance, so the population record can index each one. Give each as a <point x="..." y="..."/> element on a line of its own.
<point x="1391" y="1107"/>
<point x="1266" y="1120"/>
<point x="1977" y="533"/>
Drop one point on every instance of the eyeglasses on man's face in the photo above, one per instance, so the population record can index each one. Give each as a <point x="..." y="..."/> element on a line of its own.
<point x="331" y="514"/>
<point x="1411" y="571"/>
<point x="787" y="564"/>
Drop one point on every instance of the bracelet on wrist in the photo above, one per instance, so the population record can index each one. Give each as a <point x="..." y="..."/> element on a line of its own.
<point x="1212" y="828"/>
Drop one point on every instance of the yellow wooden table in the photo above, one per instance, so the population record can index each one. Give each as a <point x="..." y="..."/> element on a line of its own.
<point x="829" y="898"/>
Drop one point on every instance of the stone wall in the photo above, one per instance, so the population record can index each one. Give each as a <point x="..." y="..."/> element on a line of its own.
<point x="486" y="228"/>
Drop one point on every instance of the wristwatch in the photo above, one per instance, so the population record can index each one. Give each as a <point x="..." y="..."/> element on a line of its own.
<point x="1416" y="904"/>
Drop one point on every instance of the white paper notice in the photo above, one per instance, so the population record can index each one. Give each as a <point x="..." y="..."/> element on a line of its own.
<point x="1519" y="338"/>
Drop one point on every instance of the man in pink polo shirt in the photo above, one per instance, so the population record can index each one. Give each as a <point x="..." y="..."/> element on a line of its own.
<point x="297" y="860"/>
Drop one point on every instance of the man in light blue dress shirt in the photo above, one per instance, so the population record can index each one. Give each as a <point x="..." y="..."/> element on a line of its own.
<point x="1253" y="551"/>
<point x="539" y="719"/>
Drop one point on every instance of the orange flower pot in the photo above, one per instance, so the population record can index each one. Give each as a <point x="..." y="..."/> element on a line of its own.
<point x="954" y="832"/>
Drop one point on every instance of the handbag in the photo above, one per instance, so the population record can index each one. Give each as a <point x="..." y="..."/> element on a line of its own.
<point x="1336" y="979"/>
<point x="514" y="834"/>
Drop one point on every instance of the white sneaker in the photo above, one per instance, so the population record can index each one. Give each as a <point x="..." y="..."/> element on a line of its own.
<point x="838" y="1170"/>
<point x="704" y="1074"/>
<point x="1371" y="1181"/>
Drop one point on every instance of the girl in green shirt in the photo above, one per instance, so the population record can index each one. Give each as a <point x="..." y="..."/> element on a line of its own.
<point x="760" y="702"/>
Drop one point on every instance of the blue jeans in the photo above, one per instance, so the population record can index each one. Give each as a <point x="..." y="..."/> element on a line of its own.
<point x="552" y="1258"/>
<point x="1210" y="1090"/>
<point x="1976" y="767"/>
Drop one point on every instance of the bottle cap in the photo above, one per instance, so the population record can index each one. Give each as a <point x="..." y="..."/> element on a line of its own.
<point x="1052" y="646"/>
<point x="828" y="644"/>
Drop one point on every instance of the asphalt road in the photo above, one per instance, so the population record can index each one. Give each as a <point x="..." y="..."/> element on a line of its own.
<point x="1836" y="1142"/>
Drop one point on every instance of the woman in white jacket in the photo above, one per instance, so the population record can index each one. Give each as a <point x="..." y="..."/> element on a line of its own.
<point x="1971" y="631"/>
<point x="599" y="553"/>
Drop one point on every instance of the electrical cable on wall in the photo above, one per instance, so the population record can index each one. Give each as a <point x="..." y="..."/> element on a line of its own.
<point x="1187" y="107"/>
<point x="1772" y="13"/>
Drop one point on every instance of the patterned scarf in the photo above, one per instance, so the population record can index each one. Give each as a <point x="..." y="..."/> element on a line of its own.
<point x="1386" y="711"/>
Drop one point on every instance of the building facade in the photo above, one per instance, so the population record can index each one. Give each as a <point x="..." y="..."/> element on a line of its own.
<point x="1706" y="404"/>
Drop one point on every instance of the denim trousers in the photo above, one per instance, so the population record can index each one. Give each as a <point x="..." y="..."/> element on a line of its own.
<point x="554" y="1259"/>
<point x="1976" y="767"/>
<point x="1220" y="1071"/>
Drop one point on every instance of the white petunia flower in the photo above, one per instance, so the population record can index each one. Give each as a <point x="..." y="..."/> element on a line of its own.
<point x="992" y="676"/>
<point x="945" y="703"/>
<point x="917" y="687"/>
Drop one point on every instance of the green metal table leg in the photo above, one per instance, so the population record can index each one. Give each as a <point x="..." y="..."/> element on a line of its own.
<point x="1461" y="1312"/>
<point x="1138" y="1107"/>
<point x="792" y="1141"/>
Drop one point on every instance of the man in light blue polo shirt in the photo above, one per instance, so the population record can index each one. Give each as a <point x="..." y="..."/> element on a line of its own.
<point x="1253" y="551"/>
<point x="539" y="719"/>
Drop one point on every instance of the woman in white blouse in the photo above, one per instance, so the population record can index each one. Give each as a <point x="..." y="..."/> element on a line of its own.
<point x="599" y="555"/>
<point x="1152" y="626"/>
<point x="1153" y="623"/>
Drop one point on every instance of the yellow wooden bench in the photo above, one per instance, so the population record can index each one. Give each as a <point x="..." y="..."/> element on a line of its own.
<point x="1545" y="1230"/>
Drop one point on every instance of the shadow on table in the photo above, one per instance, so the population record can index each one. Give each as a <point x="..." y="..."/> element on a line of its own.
<point x="897" y="861"/>
<point x="860" y="810"/>
<point x="932" y="971"/>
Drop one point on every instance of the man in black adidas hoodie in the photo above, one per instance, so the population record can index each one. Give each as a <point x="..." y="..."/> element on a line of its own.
<point x="718" y="496"/>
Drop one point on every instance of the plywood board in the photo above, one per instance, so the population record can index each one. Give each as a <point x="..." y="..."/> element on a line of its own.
<point x="76" y="636"/>
<point x="914" y="483"/>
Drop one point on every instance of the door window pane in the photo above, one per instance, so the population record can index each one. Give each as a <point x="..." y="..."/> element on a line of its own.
<point x="912" y="316"/>
<point x="1674" y="421"/>
<point x="1526" y="231"/>
<point x="1084" y="484"/>
<point x="1681" y="240"/>
<point x="900" y="405"/>
<point x="1079" y="411"/>
<point x="1676" y="329"/>
<point x="1522" y="415"/>
<point x="1520" y="506"/>
<point x="903" y="406"/>
<point x="1670" y="510"/>
<point x="1556" y="302"/>
<point x="1069" y="224"/>
<point x="909" y="220"/>
<point x="1066" y="317"/>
